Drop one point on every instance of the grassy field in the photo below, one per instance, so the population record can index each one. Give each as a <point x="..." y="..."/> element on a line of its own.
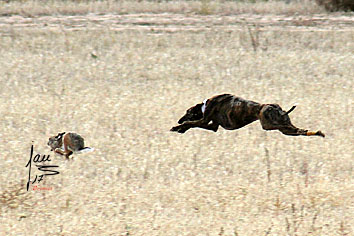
<point x="123" y="86"/>
<point x="203" y="7"/>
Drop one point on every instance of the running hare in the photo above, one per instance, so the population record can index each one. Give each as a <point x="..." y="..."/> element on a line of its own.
<point x="67" y="143"/>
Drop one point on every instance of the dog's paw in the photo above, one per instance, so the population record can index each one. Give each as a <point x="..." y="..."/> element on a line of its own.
<point x="174" y="129"/>
<point x="319" y="133"/>
<point x="178" y="129"/>
<point x="181" y="131"/>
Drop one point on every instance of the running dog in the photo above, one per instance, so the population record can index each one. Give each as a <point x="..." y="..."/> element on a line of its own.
<point x="68" y="143"/>
<point x="231" y="112"/>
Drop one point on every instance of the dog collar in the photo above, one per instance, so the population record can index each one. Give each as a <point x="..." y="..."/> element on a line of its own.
<point x="204" y="105"/>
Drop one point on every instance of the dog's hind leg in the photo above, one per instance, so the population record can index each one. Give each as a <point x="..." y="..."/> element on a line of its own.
<point x="272" y="117"/>
<point x="297" y="132"/>
<point x="293" y="131"/>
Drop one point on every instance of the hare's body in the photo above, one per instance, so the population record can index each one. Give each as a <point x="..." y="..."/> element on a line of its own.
<point x="67" y="143"/>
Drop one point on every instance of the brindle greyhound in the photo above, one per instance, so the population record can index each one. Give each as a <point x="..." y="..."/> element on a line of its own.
<point x="231" y="112"/>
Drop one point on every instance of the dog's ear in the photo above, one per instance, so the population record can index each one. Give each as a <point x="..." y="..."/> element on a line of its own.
<point x="198" y="108"/>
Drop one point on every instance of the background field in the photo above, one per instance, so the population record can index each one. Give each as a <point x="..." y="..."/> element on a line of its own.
<point x="122" y="81"/>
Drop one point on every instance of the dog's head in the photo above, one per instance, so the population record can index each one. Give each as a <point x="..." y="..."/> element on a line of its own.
<point x="275" y="116"/>
<point x="193" y="113"/>
<point x="56" y="141"/>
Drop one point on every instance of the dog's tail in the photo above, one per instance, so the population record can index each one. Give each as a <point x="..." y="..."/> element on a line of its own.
<point x="86" y="150"/>
<point x="291" y="109"/>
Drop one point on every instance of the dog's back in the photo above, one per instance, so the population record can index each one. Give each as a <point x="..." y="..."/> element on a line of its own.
<point x="232" y="112"/>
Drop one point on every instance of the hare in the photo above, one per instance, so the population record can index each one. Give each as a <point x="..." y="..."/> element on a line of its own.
<point x="68" y="143"/>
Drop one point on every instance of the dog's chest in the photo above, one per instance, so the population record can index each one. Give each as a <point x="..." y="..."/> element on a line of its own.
<point x="204" y="105"/>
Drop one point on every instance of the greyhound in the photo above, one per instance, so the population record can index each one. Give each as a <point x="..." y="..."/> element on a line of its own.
<point x="231" y="112"/>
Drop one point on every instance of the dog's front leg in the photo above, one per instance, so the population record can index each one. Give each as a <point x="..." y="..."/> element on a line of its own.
<point x="193" y="124"/>
<point x="185" y="126"/>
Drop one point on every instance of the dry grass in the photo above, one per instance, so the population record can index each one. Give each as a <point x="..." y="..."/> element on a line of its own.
<point x="143" y="179"/>
<point x="35" y="8"/>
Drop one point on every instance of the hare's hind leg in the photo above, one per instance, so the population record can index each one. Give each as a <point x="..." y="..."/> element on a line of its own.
<point x="66" y="142"/>
<point x="59" y="151"/>
<point x="66" y="152"/>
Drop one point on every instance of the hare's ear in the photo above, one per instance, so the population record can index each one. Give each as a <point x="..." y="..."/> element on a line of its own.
<point x="60" y="135"/>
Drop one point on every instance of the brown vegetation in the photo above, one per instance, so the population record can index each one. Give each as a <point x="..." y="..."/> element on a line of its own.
<point x="122" y="86"/>
<point x="337" y="5"/>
